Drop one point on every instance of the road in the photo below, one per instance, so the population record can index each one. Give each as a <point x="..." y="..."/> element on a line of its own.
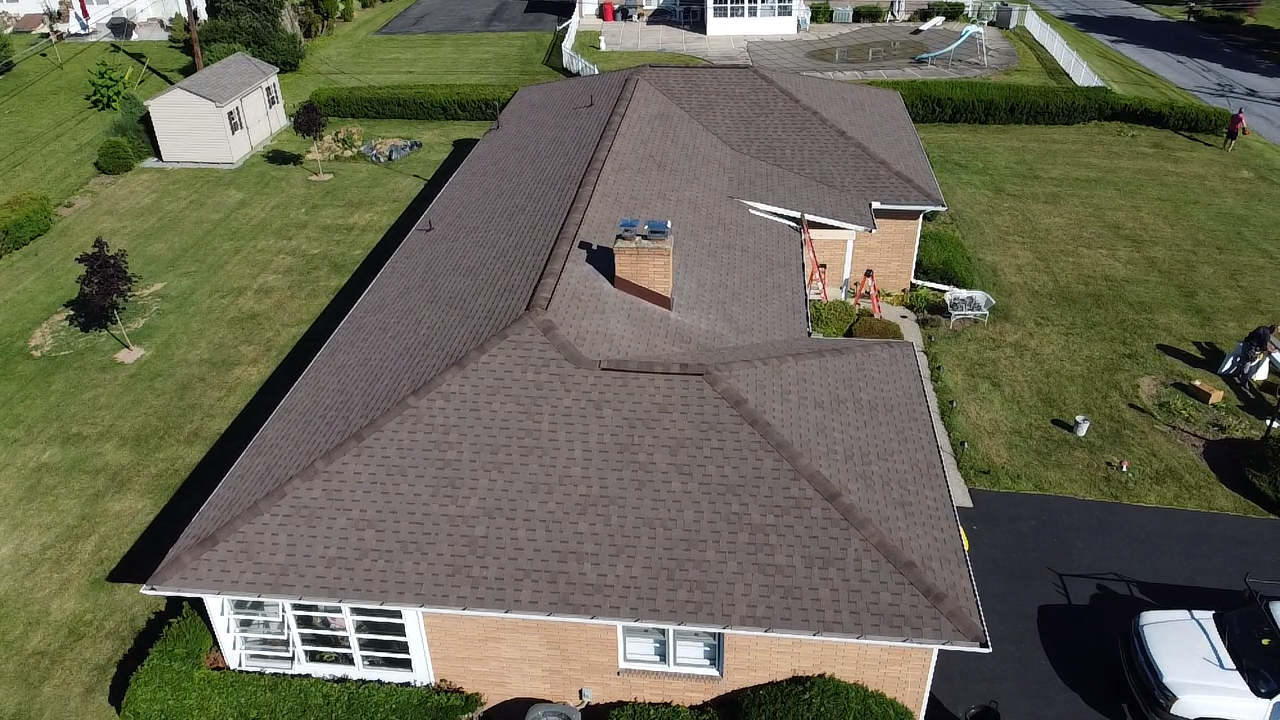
<point x="1184" y="55"/>
<point x="1060" y="581"/>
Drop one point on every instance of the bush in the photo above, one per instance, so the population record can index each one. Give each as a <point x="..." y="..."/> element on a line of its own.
<point x="266" y="41"/>
<point x="832" y="318"/>
<point x="107" y="84"/>
<point x="870" y="327"/>
<point x="949" y="10"/>
<point x="23" y="218"/>
<point x="214" y="52"/>
<point x="870" y="13"/>
<point x="6" y="53"/>
<point x="130" y="124"/>
<point x="1264" y="467"/>
<point x="174" y="684"/>
<point x="1212" y="16"/>
<point x="115" y="157"/>
<point x="970" y="103"/>
<point x="366" y="4"/>
<point x="660" y="711"/>
<point x="348" y="10"/>
<point x="414" y="102"/>
<point x="820" y="696"/>
<point x="820" y="13"/>
<point x="944" y="258"/>
<point x="178" y="32"/>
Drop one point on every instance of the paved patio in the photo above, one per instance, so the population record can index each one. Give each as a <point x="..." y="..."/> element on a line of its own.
<point x="846" y="52"/>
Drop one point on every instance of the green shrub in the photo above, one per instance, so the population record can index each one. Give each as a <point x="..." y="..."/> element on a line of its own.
<point x="174" y="684"/>
<point x="1263" y="467"/>
<point x="821" y="696"/>
<point x="870" y="13"/>
<point x="23" y="218"/>
<point x="1214" y="16"/>
<point x="970" y="103"/>
<point x="178" y="32"/>
<point x="944" y="258"/>
<point x="832" y="318"/>
<point x="820" y="13"/>
<point x="949" y="10"/>
<point x="348" y="10"/>
<point x="870" y="327"/>
<point x="6" y="53"/>
<point x="414" y="102"/>
<point x="107" y="84"/>
<point x="266" y="41"/>
<point x="130" y="124"/>
<point x="215" y="52"/>
<point x="366" y="4"/>
<point x="115" y="157"/>
<point x="660" y="711"/>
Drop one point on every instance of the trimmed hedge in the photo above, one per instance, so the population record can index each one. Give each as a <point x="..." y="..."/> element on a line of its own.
<point x="949" y="10"/>
<point x="944" y="258"/>
<point x="115" y="156"/>
<point x="23" y="218"/>
<point x="969" y="103"/>
<point x="819" y="696"/>
<point x="660" y="711"/>
<point x="870" y="327"/>
<point x="832" y="318"/>
<point x="870" y="13"/>
<point x="414" y="102"/>
<point x="174" y="684"/>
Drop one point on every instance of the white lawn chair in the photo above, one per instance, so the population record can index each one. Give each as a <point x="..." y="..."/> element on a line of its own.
<point x="973" y="304"/>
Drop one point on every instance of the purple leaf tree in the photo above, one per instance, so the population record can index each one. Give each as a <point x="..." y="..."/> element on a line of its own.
<point x="105" y="287"/>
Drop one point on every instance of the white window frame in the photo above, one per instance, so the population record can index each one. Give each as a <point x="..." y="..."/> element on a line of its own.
<point x="293" y="658"/>
<point x="670" y="666"/>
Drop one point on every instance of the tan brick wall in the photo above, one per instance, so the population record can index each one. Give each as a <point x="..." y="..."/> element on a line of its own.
<point x="505" y="658"/>
<point x="889" y="251"/>
<point x="830" y="252"/>
<point x="645" y="264"/>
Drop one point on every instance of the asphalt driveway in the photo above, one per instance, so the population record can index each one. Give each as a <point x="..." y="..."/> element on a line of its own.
<point x="1060" y="580"/>
<point x="472" y="16"/>
<point x="1181" y="53"/>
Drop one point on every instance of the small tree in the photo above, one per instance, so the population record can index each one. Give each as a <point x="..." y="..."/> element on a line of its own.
<point x="6" y="52"/>
<point x="105" y="287"/>
<point x="309" y="122"/>
<point x="107" y="84"/>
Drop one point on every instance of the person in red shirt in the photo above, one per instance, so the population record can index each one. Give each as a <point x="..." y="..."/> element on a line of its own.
<point x="1234" y="126"/>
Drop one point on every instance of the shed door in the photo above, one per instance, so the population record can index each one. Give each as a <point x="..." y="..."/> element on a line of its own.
<point x="255" y="116"/>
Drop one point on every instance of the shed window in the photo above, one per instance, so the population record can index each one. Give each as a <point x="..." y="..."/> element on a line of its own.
<point x="234" y="120"/>
<point x="273" y="96"/>
<point x="686" y="651"/>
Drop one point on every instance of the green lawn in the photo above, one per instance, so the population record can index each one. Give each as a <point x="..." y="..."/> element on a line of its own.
<point x="1143" y="237"/>
<point x="1035" y="65"/>
<point x="1117" y="71"/>
<point x="588" y="46"/>
<point x="50" y="134"/>
<point x="93" y="449"/>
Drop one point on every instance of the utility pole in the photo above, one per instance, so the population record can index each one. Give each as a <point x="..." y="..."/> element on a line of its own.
<point x="195" y="37"/>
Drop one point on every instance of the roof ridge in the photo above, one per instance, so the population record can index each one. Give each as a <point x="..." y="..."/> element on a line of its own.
<point x="915" y="574"/>
<point x="560" y="250"/>
<point x="825" y="121"/>
<point x="184" y="559"/>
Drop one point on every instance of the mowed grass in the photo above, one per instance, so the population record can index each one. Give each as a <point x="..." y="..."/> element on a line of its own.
<point x="93" y="449"/>
<point x="1117" y="71"/>
<point x="1035" y="65"/>
<point x="50" y="134"/>
<point x="588" y="46"/>
<point x="356" y="55"/>
<point x="1101" y="242"/>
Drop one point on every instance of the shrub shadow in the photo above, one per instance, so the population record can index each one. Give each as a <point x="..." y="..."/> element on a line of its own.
<point x="150" y="548"/>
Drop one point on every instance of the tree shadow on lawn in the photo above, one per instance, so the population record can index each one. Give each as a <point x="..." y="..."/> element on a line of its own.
<point x="282" y="158"/>
<point x="147" y="552"/>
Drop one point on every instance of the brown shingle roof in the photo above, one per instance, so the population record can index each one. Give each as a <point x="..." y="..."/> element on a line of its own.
<point x="494" y="426"/>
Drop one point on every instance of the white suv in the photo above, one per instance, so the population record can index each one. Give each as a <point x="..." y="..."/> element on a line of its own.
<point x="1199" y="664"/>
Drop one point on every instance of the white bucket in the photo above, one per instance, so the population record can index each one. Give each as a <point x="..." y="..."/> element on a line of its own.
<point x="1082" y="425"/>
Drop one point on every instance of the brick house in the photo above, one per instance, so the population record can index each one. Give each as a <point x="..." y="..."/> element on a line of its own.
<point x="541" y="455"/>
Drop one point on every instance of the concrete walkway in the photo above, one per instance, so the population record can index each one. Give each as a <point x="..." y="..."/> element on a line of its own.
<point x="1184" y="55"/>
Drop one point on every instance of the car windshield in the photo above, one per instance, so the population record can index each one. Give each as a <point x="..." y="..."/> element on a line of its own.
<point x="1253" y="641"/>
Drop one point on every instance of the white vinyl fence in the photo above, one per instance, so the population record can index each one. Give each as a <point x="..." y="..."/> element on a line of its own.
<point x="1076" y="67"/>
<point x="573" y="62"/>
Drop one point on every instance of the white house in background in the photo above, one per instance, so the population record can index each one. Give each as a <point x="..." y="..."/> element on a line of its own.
<point x="721" y="17"/>
<point x="100" y="11"/>
<point x="220" y="114"/>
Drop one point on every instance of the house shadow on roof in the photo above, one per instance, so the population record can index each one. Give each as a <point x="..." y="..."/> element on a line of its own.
<point x="600" y="257"/>
<point x="1081" y="637"/>
<point x="150" y="548"/>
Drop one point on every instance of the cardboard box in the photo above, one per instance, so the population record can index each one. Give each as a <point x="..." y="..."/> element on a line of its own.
<point x="1206" y="393"/>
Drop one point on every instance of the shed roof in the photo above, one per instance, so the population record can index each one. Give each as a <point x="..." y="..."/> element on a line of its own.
<point x="494" y="426"/>
<point x="225" y="81"/>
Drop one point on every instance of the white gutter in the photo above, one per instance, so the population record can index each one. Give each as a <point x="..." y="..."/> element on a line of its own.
<point x="922" y="208"/>
<point x="933" y="285"/>
<point x="795" y="214"/>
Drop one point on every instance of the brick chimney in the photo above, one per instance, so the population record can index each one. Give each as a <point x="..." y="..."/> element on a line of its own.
<point x="642" y="267"/>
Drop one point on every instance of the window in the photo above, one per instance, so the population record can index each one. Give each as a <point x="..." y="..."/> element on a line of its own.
<point x="670" y="649"/>
<point x="274" y="635"/>
<point x="273" y="96"/>
<point x="750" y="8"/>
<point x="234" y="120"/>
<point x="736" y="8"/>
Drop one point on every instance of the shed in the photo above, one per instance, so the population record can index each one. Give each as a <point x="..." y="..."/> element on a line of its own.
<point x="220" y="114"/>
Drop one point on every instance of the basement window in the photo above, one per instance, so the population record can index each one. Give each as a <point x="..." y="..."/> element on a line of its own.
<point x="670" y="649"/>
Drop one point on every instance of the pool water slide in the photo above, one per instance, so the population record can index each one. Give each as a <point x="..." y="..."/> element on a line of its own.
<point x="964" y="35"/>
